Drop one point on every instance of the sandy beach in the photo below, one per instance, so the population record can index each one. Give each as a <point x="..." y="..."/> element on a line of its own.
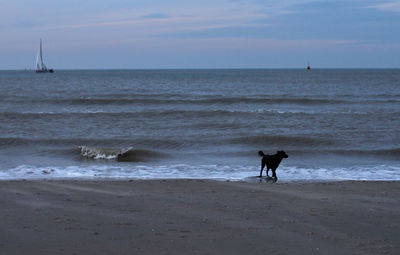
<point x="198" y="217"/>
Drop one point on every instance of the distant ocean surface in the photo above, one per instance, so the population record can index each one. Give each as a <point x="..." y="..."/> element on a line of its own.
<point x="209" y="124"/>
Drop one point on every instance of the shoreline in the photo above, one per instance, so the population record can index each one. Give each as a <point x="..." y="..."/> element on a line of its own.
<point x="252" y="179"/>
<point x="182" y="216"/>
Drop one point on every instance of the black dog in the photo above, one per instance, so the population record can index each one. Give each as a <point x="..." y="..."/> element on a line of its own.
<point x="272" y="162"/>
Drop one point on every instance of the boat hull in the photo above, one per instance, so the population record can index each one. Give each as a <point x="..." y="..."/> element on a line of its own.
<point x="45" y="71"/>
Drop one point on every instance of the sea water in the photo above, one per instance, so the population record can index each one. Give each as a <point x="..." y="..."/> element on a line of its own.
<point x="209" y="124"/>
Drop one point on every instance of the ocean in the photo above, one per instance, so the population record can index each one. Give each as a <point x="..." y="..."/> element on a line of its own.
<point x="208" y="124"/>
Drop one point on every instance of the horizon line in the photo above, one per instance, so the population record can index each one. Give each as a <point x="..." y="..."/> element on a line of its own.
<point x="204" y="68"/>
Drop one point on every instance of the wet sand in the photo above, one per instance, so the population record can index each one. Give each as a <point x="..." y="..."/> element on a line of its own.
<point x="199" y="217"/>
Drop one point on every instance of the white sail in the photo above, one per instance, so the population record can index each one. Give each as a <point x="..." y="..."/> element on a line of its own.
<point x="41" y="56"/>
<point x="40" y="66"/>
<point x="37" y="61"/>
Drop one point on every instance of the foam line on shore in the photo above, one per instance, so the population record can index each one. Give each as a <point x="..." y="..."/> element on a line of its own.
<point x="183" y="171"/>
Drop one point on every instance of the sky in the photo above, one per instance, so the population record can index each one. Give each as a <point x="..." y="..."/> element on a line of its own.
<point x="141" y="34"/>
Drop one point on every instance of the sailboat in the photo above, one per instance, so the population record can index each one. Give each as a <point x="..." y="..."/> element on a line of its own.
<point x="40" y="66"/>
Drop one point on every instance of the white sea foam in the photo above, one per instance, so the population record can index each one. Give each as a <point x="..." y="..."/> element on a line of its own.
<point x="100" y="153"/>
<point x="178" y="171"/>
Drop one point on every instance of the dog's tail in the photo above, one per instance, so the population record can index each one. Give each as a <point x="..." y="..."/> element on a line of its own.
<point x="261" y="153"/>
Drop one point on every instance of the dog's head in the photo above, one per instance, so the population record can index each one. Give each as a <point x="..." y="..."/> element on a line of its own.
<point x="282" y="154"/>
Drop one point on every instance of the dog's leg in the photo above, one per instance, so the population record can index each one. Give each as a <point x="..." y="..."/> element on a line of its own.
<point x="267" y="171"/>
<point x="274" y="174"/>
<point x="262" y="167"/>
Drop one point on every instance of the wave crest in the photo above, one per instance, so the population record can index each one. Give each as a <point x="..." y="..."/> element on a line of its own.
<point x="123" y="155"/>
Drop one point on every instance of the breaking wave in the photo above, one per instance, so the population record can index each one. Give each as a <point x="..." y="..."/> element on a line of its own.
<point x="122" y="155"/>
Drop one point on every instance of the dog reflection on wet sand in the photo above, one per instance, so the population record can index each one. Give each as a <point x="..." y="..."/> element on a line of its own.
<point x="271" y="162"/>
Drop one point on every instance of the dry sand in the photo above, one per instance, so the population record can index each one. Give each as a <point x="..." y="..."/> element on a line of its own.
<point x="199" y="217"/>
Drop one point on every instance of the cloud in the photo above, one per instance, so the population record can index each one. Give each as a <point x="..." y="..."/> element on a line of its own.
<point x="177" y="20"/>
<point x="237" y="44"/>
<point x="244" y="31"/>
<point x="155" y="16"/>
<point x="390" y="6"/>
<point x="157" y="19"/>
